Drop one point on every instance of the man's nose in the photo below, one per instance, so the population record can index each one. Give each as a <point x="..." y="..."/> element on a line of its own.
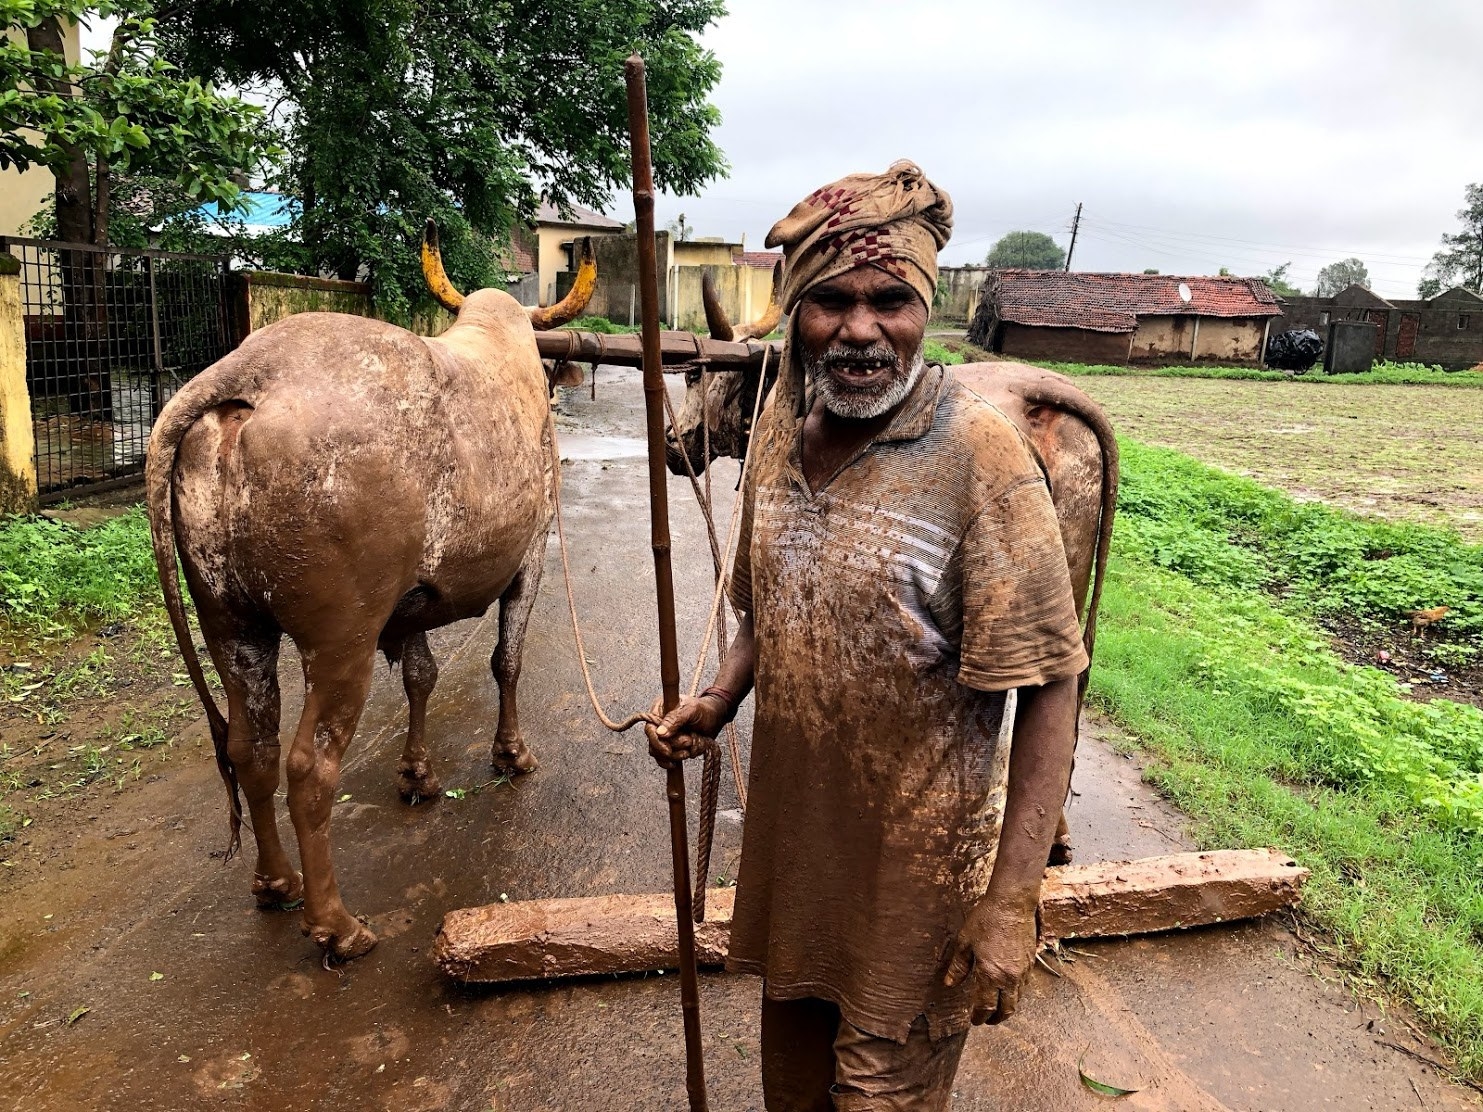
<point x="861" y="325"/>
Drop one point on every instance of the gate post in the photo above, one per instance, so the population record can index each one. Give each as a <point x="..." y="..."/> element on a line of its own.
<point x="17" y="437"/>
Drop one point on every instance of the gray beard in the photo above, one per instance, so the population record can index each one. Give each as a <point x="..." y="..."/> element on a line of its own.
<point x="862" y="404"/>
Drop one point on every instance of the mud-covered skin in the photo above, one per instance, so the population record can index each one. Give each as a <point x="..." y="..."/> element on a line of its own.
<point x="352" y="485"/>
<point x="1068" y="429"/>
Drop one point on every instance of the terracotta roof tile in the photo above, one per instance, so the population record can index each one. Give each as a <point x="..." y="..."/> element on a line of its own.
<point x="762" y="260"/>
<point x="1113" y="302"/>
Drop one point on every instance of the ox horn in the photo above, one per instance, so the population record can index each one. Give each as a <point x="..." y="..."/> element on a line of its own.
<point x="715" y="316"/>
<point x="570" y="307"/>
<point x="720" y="327"/>
<point x="432" y="270"/>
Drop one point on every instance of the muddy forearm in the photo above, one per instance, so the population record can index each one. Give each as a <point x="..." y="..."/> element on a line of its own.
<point x="737" y="669"/>
<point x="1039" y="772"/>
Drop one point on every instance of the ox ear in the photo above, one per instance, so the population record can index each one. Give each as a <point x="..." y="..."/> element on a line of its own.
<point x="770" y="315"/>
<point x="716" y="321"/>
<point x="570" y="307"/>
<point x="432" y="270"/>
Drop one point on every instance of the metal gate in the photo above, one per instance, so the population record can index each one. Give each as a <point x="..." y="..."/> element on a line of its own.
<point x="111" y="334"/>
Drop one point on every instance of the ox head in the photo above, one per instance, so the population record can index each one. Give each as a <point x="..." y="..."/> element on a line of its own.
<point x="567" y="309"/>
<point x="724" y="402"/>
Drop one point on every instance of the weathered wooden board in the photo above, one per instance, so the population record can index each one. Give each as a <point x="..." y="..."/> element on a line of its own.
<point x="542" y="939"/>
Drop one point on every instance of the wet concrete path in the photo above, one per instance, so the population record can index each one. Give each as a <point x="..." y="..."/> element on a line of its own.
<point x="243" y="1015"/>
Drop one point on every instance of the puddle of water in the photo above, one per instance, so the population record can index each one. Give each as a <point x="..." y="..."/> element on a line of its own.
<point x="587" y="447"/>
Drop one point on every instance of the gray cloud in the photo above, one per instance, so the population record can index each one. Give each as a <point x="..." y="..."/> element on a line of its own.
<point x="1197" y="136"/>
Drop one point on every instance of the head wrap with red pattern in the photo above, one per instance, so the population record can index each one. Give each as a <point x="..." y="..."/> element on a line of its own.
<point x="896" y="221"/>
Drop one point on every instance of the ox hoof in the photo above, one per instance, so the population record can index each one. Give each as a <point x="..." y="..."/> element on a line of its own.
<point x="286" y="893"/>
<point x="513" y="758"/>
<point x="345" y="944"/>
<point x="1060" y="852"/>
<point x="417" y="782"/>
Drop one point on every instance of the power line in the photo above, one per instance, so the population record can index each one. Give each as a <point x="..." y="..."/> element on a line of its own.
<point x="1311" y="249"/>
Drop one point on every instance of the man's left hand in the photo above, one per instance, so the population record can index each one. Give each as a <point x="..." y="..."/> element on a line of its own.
<point x="994" y="951"/>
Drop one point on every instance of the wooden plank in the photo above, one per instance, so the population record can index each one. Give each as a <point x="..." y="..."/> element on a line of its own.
<point x="676" y="349"/>
<point x="605" y="935"/>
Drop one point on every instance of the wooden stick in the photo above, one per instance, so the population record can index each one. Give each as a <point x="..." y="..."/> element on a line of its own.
<point x="669" y="661"/>
<point x="675" y="349"/>
<point x="544" y="939"/>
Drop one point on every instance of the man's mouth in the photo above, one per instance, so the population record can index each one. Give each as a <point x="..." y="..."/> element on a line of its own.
<point x="861" y="370"/>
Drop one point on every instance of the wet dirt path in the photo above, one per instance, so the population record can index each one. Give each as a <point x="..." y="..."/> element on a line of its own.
<point x="243" y="1016"/>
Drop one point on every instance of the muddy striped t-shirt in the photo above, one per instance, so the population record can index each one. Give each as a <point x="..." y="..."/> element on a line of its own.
<point x="893" y="609"/>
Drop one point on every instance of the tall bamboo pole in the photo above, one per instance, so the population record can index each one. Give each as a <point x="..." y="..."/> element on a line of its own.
<point x="669" y="662"/>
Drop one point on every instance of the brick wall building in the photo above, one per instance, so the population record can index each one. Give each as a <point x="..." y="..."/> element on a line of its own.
<point x="1446" y="330"/>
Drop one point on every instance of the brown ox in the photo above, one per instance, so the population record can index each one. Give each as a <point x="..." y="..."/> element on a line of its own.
<point x="1070" y="433"/>
<point x="352" y="485"/>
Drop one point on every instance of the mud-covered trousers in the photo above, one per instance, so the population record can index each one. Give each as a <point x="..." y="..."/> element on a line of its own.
<point x="813" y="1060"/>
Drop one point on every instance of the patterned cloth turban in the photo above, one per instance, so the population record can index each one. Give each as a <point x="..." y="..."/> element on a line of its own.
<point x="896" y="221"/>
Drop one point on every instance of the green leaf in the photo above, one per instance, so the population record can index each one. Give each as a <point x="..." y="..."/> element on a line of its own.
<point x="1102" y="1088"/>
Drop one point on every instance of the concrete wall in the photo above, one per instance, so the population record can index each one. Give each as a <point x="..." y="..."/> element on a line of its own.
<point x="1069" y="345"/>
<point x="17" y="436"/>
<point x="617" y="278"/>
<point x="262" y="297"/>
<point x="958" y="292"/>
<point x="705" y="253"/>
<point x="743" y="292"/>
<point x="23" y="195"/>
<point x="1448" y="328"/>
<point x="1172" y="339"/>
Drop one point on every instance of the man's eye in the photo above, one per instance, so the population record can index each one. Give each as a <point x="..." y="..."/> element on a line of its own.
<point x="831" y="301"/>
<point x="889" y="302"/>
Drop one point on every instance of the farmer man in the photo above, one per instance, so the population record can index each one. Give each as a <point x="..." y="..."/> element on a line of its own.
<point x="900" y="571"/>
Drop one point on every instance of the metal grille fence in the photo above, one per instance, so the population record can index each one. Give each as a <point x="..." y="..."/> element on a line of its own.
<point x="111" y="334"/>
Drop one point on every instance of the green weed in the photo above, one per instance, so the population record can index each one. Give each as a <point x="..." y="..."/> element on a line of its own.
<point x="600" y="324"/>
<point x="56" y="580"/>
<point x="934" y="351"/>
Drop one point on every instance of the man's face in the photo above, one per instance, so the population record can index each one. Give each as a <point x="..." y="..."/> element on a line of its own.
<point x="861" y="335"/>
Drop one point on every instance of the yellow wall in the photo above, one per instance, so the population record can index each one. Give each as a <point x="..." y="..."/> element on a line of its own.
<point x="22" y="196"/>
<point x="551" y="256"/>
<point x="17" y="439"/>
<point x="704" y="254"/>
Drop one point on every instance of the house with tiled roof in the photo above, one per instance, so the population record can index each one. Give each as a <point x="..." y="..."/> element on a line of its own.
<point x="554" y="234"/>
<point x="1121" y="318"/>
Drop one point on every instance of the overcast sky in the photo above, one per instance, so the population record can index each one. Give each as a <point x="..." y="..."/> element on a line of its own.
<point x="1196" y="135"/>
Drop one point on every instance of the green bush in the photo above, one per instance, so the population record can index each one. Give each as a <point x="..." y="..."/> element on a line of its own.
<point x="1383" y="374"/>
<point x="55" y="578"/>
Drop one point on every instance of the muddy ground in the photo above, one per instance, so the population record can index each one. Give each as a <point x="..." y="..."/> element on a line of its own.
<point x="1408" y="452"/>
<point x="120" y="905"/>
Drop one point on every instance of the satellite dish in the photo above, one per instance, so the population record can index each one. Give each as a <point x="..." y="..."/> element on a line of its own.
<point x="1184" y="292"/>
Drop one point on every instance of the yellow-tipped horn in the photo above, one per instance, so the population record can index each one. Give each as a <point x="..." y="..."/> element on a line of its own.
<point x="771" y="315"/>
<point x="716" y="320"/>
<point x="570" y="307"/>
<point x="432" y="269"/>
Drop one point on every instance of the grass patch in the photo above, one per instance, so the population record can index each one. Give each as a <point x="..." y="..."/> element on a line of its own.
<point x="1383" y="374"/>
<point x="1259" y="732"/>
<point x="57" y="580"/>
<point x="935" y="351"/>
<point x="1220" y="529"/>
<point x="600" y="324"/>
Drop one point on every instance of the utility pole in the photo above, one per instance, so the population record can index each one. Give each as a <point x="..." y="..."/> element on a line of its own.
<point x="1075" y="224"/>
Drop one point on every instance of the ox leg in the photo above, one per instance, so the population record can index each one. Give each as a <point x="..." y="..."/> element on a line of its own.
<point x="336" y="682"/>
<point x="416" y="780"/>
<point x="510" y="752"/>
<point x="248" y="665"/>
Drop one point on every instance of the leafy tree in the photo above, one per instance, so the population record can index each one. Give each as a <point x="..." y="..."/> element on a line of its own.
<point x="1340" y="276"/>
<point x="465" y="110"/>
<point x="1460" y="262"/>
<point x="1150" y="270"/>
<point x="125" y="112"/>
<point x="1027" y="251"/>
<point x="1277" y="282"/>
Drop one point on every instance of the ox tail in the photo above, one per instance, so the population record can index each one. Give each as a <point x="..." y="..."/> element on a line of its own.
<point x="159" y="471"/>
